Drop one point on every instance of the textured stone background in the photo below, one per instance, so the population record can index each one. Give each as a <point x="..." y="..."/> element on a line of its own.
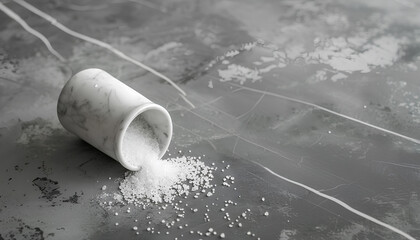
<point x="357" y="58"/>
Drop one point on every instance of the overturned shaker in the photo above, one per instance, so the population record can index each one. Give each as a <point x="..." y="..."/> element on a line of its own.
<point x="114" y="118"/>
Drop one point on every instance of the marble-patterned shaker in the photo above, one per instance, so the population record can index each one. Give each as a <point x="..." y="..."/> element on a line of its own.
<point x="99" y="108"/>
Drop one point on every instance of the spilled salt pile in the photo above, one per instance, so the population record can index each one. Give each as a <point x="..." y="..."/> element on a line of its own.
<point x="158" y="181"/>
<point x="161" y="181"/>
<point x="140" y="144"/>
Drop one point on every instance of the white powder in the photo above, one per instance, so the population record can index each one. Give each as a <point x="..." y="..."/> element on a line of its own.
<point x="158" y="180"/>
<point x="161" y="181"/>
<point x="140" y="144"/>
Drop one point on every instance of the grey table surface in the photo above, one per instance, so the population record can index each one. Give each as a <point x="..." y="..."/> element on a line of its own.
<point x="326" y="104"/>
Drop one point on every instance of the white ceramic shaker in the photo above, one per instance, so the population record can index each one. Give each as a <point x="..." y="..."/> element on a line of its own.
<point x="99" y="108"/>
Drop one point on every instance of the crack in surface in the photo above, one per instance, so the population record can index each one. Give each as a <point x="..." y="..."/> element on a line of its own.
<point x="30" y="30"/>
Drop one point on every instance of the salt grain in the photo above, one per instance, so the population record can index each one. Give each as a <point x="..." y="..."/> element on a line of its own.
<point x="140" y="143"/>
<point x="162" y="180"/>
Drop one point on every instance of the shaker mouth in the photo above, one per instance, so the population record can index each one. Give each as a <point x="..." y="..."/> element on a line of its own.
<point x="143" y="135"/>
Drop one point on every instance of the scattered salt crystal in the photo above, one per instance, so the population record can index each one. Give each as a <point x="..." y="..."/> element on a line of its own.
<point x="163" y="181"/>
<point x="116" y="224"/>
<point x="160" y="181"/>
